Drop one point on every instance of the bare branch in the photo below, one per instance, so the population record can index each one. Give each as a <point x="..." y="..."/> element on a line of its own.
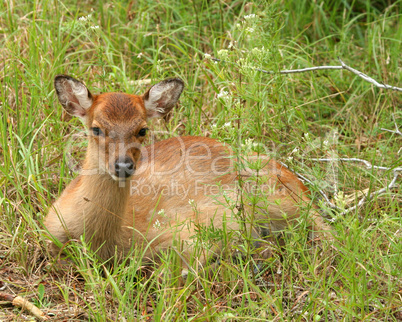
<point x="366" y="163"/>
<point x="397" y="131"/>
<point x="368" y="78"/>
<point x="375" y="193"/>
<point x="309" y="69"/>
<point x="25" y="304"/>
<point x="390" y="186"/>
<point x="330" y="204"/>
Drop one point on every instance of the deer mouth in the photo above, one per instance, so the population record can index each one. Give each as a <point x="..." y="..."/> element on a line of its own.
<point x="122" y="177"/>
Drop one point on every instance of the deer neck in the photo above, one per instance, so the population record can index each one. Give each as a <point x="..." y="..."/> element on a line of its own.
<point x="103" y="205"/>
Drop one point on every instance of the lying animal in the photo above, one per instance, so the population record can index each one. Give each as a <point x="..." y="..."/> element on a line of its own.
<point x="127" y="194"/>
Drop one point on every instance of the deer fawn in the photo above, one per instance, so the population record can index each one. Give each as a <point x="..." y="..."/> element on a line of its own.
<point x="128" y="195"/>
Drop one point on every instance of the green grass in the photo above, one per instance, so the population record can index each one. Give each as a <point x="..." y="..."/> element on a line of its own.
<point x="355" y="278"/>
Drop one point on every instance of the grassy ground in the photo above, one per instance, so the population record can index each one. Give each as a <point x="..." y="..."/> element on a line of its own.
<point x="297" y="117"/>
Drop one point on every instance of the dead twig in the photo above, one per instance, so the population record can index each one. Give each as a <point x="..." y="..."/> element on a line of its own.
<point x="391" y="185"/>
<point x="366" y="163"/>
<point x="397" y="131"/>
<point x="309" y="69"/>
<point x="329" y="203"/>
<point x="24" y="304"/>
<point x="368" y="78"/>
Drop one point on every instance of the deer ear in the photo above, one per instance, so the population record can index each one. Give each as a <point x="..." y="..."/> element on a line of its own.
<point x="73" y="95"/>
<point x="162" y="97"/>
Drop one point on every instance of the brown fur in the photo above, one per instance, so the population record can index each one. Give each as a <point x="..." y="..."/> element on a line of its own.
<point x="178" y="184"/>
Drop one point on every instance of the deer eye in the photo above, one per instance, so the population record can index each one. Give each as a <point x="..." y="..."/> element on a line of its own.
<point x="142" y="132"/>
<point x="96" y="131"/>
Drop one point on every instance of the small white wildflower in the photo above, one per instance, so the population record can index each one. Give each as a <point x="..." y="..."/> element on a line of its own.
<point x="140" y="55"/>
<point x="250" y="16"/>
<point x="340" y="199"/>
<point x="157" y="224"/>
<point x="290" y="158"/>
<point x="223" y="54"/>
<point x="159" y="68"/>
<point x="306" y="135"/>
<point x="207" y="56"/>
<point x="249" y="143"/>
<point x="250" y="30"/>
<point x="84" y="18"/>
<point x="191" y="202"/>
<point x="326" y="144"/>
<point x="161" y="213"/>
<point x="227" y="124"/>
<point x="295" y="150"/>
<point x="256" y="51"/>
<point x="238" y="104"/>
<point x="95" y="27"/>
<point x="232" y="44"/>
<point x="223" y="94"/>
<point x="241" y="61"/>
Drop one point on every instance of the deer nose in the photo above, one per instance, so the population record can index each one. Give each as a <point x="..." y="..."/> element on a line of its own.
<point x="124" y="167"/>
